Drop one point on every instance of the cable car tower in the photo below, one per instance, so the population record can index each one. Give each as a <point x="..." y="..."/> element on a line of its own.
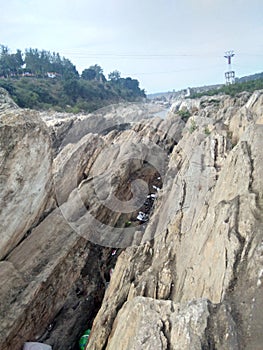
<point x="230" y="74"/>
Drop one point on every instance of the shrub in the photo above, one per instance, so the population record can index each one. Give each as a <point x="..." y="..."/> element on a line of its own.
<point x="207" y="131"/>
<point x="193" y="126"/>
<point x="184" y="114"/>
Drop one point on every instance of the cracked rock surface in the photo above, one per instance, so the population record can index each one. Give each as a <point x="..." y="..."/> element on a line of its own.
<point x="190" y="277"/>
<point x="208" y="244"/>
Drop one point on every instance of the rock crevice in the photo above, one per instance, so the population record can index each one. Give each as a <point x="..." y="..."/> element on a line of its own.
<point x="176" y="205"/>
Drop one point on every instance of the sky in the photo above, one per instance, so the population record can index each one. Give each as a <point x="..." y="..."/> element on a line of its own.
<point x="166" y="44"/>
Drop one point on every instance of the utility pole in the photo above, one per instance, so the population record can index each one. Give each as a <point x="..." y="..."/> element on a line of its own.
<point x="230" y="74"/>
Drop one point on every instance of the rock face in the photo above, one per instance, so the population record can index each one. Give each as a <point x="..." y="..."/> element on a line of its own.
<point x="25" y="181"/>
<point x="146" y="323"/>
<point x="177" y="205"/>
<point x="70" y="128"/>
<point x="50" y="272"/>
<point x="208" y="235"/>
<point x="47" y="255"/>
<point x="5" y="101"/>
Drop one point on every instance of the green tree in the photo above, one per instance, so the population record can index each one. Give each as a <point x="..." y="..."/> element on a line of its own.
<point x="131" y="88"/>
<point x="41" y="62"/>
<point x="88" y="74"/>
<point x="32" y="61"/>
<point x="4" y="53"/>
<point x="114" y="76"/>
<point x="68" y="70"/>
<point x="18" y="61"/>
<point x="99" y="73"/>
<point x="72" y="89"/>
<point x="10" y="64"/>
<point x="56" y="63"/>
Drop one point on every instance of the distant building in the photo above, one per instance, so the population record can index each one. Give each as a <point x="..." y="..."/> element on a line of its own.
<point x="52" y="75"/>
<point x="28" y="74"/>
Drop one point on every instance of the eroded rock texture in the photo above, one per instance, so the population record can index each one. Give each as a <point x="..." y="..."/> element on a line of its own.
<point x="209" y="235"/>
<point x="25" y="168"/>
<point x="189" y="277"/>
<point x="53" y="278"/>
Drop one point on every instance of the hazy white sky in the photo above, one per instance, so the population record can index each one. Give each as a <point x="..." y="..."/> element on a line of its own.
<point x="165" y="44"/>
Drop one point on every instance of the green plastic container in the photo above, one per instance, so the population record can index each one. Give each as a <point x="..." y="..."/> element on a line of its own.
<point x="84" y="340"/>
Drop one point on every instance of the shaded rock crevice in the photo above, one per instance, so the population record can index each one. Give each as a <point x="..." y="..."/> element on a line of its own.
<point x="189" y="277"/>
<point x="207" y="261"/>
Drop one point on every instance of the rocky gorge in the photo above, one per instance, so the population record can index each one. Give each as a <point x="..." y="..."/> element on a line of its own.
<point x="147" y="231"/>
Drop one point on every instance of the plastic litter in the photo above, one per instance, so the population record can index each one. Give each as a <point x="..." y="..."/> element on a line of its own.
<point x="36" y="346"/>
<point x="127" y="223"/>
<point x="142" y="216"/>
<point x="156" y="188"/>
<point x="152" y="196"/>
<point x="84" y="339"/>
<point x="114" y="251"/>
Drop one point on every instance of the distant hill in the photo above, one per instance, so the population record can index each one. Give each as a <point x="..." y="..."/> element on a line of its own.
<point x="72" y="95"/>
<point x="250" y="77"/>
<point x="182" y="93"/>
<point x="210" y="89"/>
<point x="44" y="80"/>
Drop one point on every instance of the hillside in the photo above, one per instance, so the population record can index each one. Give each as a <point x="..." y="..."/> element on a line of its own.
<point x="42" y="80"/>
<point x="71" y="95"/>
<point x="146" y="231"/>
<point x="250" y="77"/>
<point x="248" y="83"/>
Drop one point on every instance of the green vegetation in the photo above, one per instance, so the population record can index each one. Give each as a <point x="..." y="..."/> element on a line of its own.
<point x="193" y="126"/>
<point x="207" y="131"/>
<point x="250" y="77"/>
<point x="127" y="224"/>
<point x="184" y="114"/>
<point x="43" y="80"/>
<point x="233" y="89"/>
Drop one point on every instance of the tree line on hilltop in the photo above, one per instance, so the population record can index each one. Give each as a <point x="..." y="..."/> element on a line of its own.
<point x="41" y="80"/>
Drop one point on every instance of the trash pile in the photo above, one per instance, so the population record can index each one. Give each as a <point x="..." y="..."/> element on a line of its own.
<point x="143" y="215"/>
